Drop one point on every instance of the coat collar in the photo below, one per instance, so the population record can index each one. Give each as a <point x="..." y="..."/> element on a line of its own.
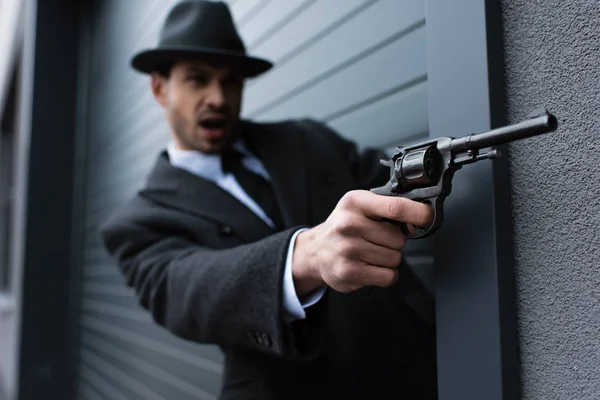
<point x="279" y="146"/>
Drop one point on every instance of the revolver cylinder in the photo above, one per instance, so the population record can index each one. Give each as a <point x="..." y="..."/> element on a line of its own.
<point x="418" y="168"/>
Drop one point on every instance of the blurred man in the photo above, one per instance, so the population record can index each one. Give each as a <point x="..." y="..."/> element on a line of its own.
<point x="262" y="238"/>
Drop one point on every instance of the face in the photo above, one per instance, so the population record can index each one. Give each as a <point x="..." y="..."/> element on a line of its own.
<point x="202" y="104"/>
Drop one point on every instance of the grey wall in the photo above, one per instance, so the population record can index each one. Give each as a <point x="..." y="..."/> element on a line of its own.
<point x="360" y="65"/>
<point x="552" y="51"/>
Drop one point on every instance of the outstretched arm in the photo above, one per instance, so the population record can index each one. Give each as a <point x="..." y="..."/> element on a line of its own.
<point x="229" y="297"/>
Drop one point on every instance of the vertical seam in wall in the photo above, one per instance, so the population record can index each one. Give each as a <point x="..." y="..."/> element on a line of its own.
<point x="80" y="186"/>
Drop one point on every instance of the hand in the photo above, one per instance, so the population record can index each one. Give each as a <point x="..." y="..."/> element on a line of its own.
<point x="355" y="247"/>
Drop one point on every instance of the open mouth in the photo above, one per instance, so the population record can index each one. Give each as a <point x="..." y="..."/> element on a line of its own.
<point x="214" y="123"/>
<point x="214" y="127"/>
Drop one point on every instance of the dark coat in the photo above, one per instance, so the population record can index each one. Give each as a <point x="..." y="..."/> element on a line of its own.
<point x="210" y="271"/>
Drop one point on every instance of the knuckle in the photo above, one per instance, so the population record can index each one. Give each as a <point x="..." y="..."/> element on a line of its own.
<point x="389" y="278"/>
<point x="393" y="277"/>
<point x="346" y="273"/>
<point x="397" y="209"/>
<point x="346" y="225"/>
<point x="346" y="249"/>
<point x="398" y="238"/>
<point x="349" y="200"/>
<point x="396" y="258"/>
<point x="402" y="242"/>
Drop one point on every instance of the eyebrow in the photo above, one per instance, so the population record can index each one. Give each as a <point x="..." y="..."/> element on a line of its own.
<point x="196" y="70"/>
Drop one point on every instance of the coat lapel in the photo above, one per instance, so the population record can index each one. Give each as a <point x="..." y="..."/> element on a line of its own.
<point x="280" y="148"/>
<point x="177" y="188"/>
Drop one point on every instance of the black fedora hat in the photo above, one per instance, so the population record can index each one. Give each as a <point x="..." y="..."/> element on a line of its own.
<point x="199" y="28"/>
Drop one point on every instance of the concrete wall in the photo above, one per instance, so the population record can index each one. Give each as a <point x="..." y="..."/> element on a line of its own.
<point x="552" y="51"/>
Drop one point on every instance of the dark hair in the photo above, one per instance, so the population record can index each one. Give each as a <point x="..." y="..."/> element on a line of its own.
<point x="164" y="69"/>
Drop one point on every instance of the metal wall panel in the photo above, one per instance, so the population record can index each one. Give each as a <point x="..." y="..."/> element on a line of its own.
<point x="475" y="309"/>
<point x="357" y="64"/>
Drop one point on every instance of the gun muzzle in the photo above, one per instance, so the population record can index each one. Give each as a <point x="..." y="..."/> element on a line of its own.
<point x="539" y="122"/>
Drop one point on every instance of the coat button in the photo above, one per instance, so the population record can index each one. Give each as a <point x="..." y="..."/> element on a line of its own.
<point x="328" y="180"/>
<point x="260" y="338"/>
<point x="266" y="340"/>
<point x="225" y="230"/>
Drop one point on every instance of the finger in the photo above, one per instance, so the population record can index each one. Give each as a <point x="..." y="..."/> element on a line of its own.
<point x="381" y="277"/>
<point x="379" y="256"/>
<point x="384" y="234"/>
<point x="408" y="211"/>
<point x="412" y="231"/>
<point x="400" y="209"/>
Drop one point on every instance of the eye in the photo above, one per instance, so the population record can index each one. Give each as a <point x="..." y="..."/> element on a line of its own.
<point x="197" y="79"/>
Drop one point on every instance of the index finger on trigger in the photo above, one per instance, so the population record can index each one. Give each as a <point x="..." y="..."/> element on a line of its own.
<point x="396" y="208"/>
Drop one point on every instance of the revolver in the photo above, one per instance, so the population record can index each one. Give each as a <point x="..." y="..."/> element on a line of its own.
<point x="424" y="171"/>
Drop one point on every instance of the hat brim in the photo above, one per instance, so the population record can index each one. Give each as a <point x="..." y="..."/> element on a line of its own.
<point x="148" y="61"/>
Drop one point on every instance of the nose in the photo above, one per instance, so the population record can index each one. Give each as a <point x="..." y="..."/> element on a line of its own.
<point x="215" y="95"/>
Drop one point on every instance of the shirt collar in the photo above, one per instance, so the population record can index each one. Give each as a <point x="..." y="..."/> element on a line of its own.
<point x="207" y="166"/>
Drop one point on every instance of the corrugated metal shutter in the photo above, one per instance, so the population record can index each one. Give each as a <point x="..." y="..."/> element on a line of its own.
<point x="359" y="65"/>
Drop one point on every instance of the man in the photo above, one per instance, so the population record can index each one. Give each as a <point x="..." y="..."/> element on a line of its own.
<point x="263" y="238"/>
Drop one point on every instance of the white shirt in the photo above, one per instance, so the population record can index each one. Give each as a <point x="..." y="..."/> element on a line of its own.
<point x="208" y="166"/>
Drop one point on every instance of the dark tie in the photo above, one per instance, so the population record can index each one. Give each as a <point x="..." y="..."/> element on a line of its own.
<point x="257" y="187"/>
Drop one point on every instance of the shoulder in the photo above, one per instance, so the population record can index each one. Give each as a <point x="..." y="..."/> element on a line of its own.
<point x="309" y="129"/>
<point x="141" y="214"/>
<point x="135" y="211"/>
<point x="308" y="123"/>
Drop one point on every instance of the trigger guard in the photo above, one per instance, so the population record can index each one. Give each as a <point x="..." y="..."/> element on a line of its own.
<point x="422" y="233"/>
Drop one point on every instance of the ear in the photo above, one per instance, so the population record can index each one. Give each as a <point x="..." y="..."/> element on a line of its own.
<point x="158" y="84"/>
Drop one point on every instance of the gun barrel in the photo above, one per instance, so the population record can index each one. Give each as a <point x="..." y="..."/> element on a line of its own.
<point x="543" y="122"/>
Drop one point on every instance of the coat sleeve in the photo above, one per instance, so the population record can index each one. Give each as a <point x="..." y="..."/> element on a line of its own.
<point x="229" y="297"/>
<point x="369" y="173"/>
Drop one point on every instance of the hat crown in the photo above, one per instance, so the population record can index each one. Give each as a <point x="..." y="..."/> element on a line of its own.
<point x="201" y="23"/>
<point x="199" y="28"/>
